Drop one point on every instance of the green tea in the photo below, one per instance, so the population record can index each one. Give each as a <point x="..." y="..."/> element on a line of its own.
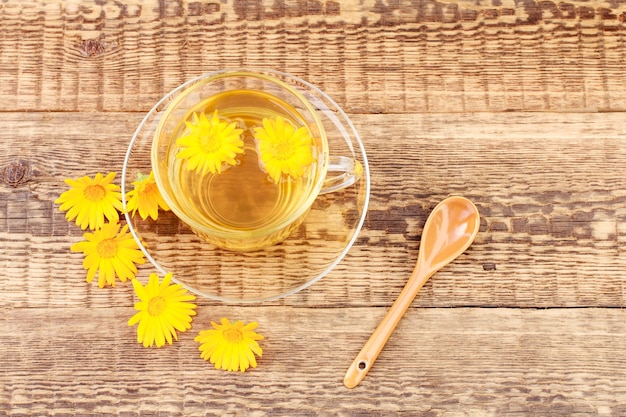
<point x="242" y="197"/>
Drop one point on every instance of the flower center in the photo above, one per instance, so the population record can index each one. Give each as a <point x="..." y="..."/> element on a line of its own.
<point x="284" y="150"/>
<point x="94" y="192"/>
<point x="233" y="335"/>
<point x="156" y="306"/>
<point x="107" y="248"/>
<point x="210" y="143"/>
<point x="150" y="188"/>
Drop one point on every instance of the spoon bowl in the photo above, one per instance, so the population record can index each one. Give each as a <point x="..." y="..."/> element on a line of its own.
<point x="449" y="231"/>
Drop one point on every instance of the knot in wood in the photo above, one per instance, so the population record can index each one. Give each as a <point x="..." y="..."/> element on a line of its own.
<point x="92" y="47"/>
<point x="15" y="173"/>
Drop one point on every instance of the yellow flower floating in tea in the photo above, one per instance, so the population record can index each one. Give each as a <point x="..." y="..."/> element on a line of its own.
<point x="230" y="346"/>
<point x="163" y="310"/>
<point x="145" y="198"/>
<point x="209" y="144"/>
<point x="109" y="254"/>
<point x="90" y="200"/>
<point x="283" y="148"/>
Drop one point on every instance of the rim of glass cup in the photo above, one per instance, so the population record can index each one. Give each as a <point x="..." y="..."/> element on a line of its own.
<point x="365" y="177"/>
<point x="178" y="96"/>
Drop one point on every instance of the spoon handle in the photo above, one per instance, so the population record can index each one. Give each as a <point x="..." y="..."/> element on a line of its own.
<point x="372" y="348"/>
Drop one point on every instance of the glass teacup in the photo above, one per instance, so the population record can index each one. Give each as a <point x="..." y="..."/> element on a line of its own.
<point x="315" y="237"/>
<point x="240" y="156"/>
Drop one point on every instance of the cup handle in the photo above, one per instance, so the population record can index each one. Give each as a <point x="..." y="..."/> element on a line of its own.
<point x="342" y="172"/>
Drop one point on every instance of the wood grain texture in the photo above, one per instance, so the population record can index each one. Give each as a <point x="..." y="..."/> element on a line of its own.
<point x="518" y="105"/>
<point x="371" y="56"/>
<point x="467" y="361"/>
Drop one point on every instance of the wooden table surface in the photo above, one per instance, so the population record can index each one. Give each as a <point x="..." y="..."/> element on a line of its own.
<point x="517" y="105"/>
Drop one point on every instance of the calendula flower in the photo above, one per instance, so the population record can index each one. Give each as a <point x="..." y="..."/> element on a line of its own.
<point x="284" y="149"/>
<point x="164" y="309"/>
<point x="108" y="254"/>
<point x="230" y="347"/>
<point x="89" y="201"/>
<point x="145" y="197"/>
<point x="209" y="144"/>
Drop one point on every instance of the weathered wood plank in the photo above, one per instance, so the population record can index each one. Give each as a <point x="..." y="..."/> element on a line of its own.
<point x="412" y="56"/>
<point x="550" y="187"/>
<point x="439" y="362"/>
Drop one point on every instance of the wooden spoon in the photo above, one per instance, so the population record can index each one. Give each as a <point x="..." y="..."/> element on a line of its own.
<point x="449" y="231"/>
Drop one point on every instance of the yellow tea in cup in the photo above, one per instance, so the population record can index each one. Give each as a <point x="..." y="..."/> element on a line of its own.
<point x="242" y="197"/>
<point x="240" y="157"/>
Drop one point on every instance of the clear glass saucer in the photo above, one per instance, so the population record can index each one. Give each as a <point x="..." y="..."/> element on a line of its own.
<point x="308" y="254"/>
